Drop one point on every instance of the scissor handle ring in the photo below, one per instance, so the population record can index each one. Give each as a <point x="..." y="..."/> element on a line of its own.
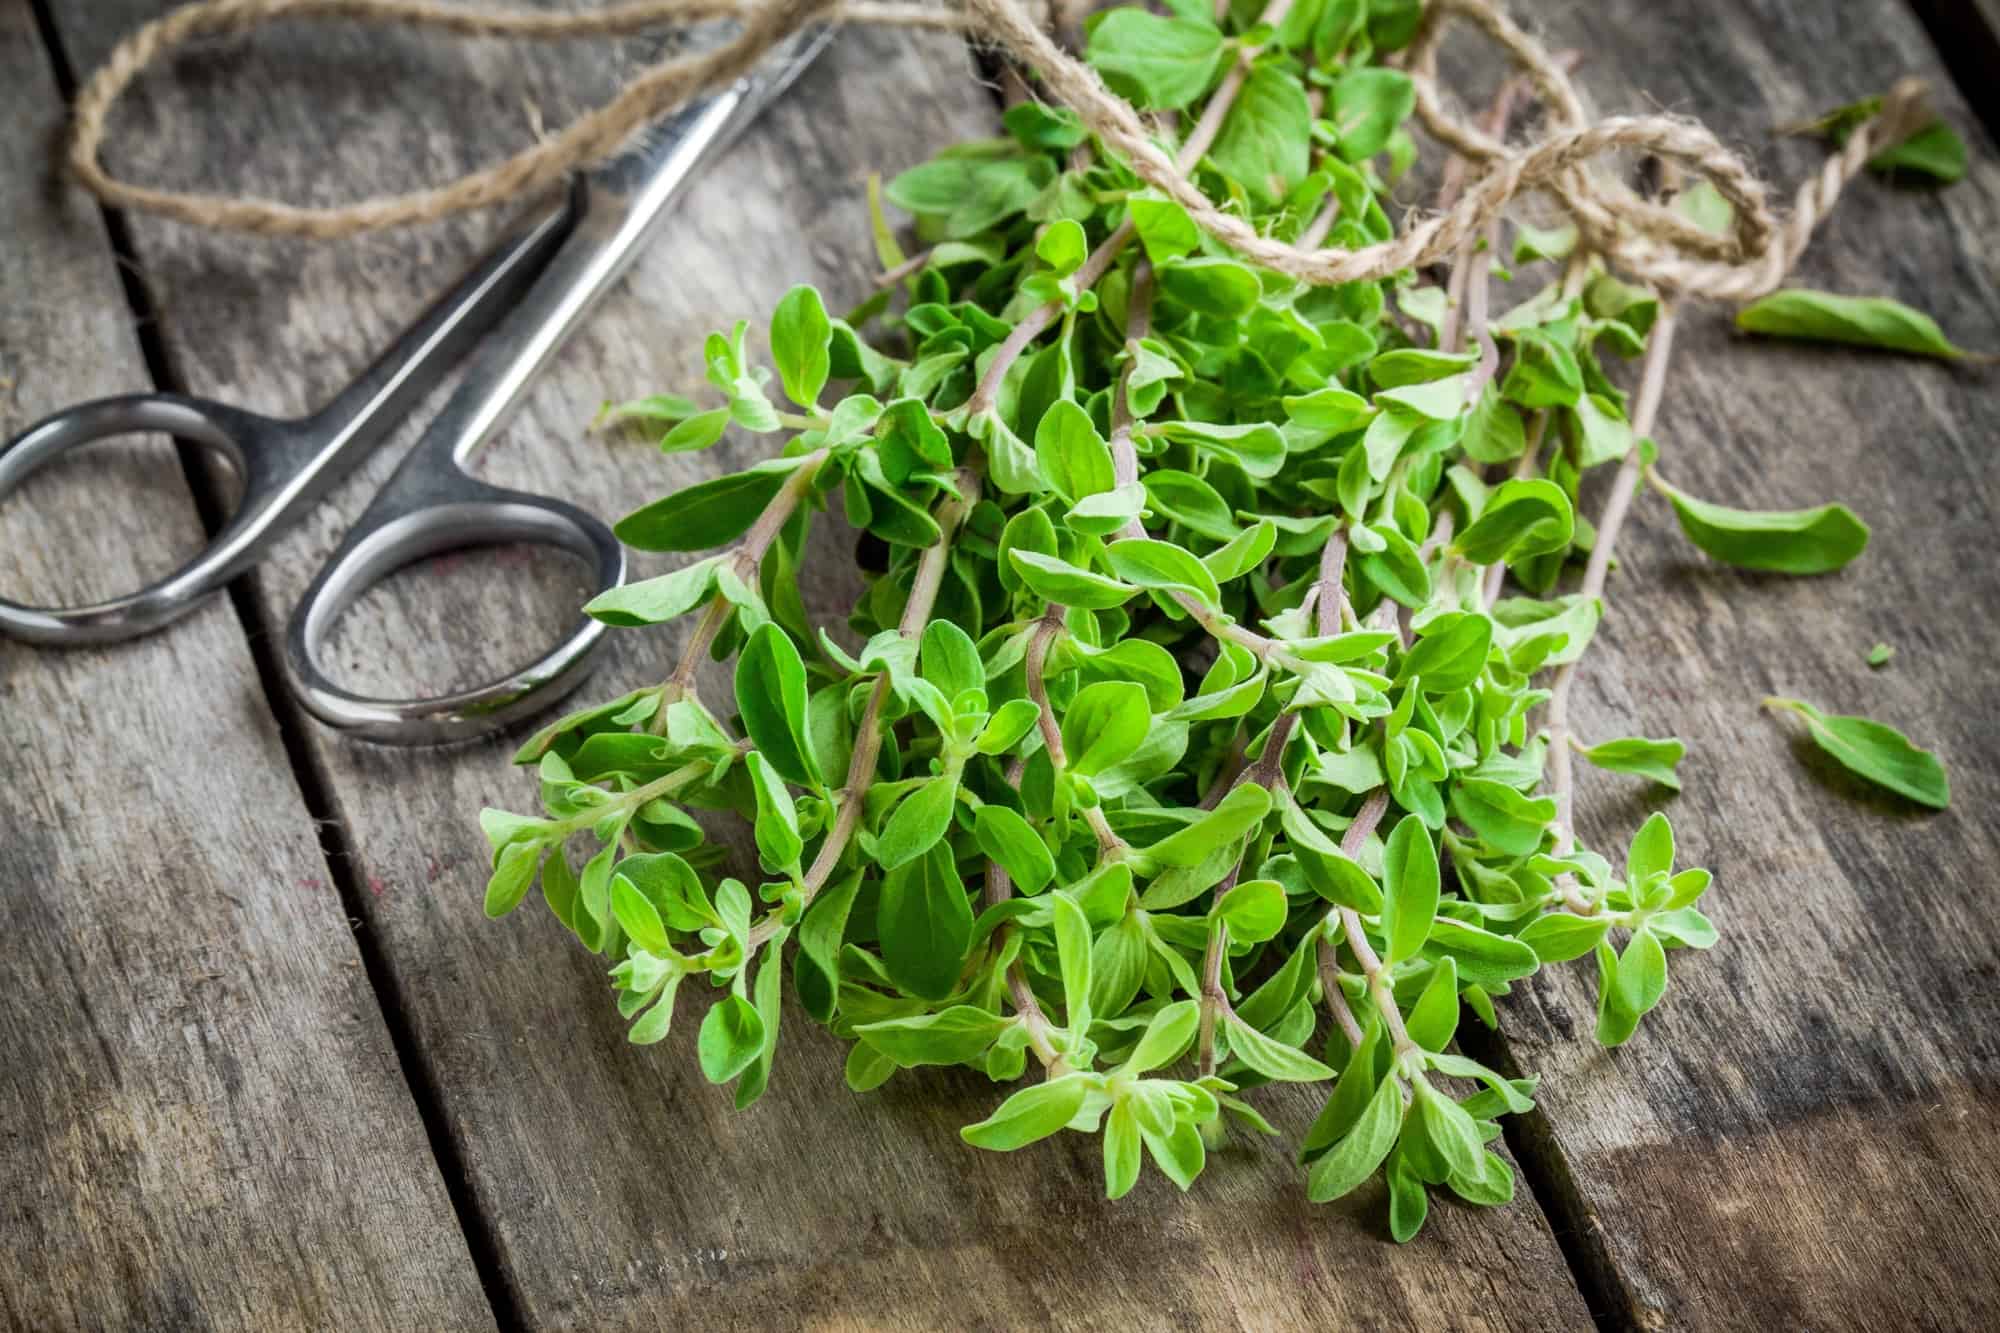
<point x="217" y="426"/>
<point x="479" y="515"/>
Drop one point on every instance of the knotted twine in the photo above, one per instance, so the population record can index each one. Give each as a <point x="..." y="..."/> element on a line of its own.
<point x="1640" y="237"/>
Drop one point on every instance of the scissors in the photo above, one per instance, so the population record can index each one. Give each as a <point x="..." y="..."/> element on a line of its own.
<point x="524" y="298"/>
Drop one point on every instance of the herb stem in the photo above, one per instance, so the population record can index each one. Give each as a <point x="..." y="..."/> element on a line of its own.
<point x="890" y="277"/>
<point x="1268" y="772"/>
<point x="1109" y="844"/>
<point x="681" y="682"/>
<point x="1041" y="317"/>
<point x="1329" y="591"/>
<point x="1372" y="967"/>
<point x="1328" y="614"/>
<point x="1213" y="1002"/>
<point x="1315" y="233"/>
<point x="748" y="555"/>
<point x="1036" y="668"/>
<point x="1652" y="379"/>
<point x="1524" y="467"/>
<point x="665" y="785"/>
<point x="1465" y="312"/>
<point x="1336" y="997"/>
<point x="1138" y="323"/>
<point x="868" y="737"/>
<point x="1035" y="1021"/>
<point x="999" y="888"/>
<point x="1125" y="469"/>
<point x="1100" y="259"/>
<point x="1646" y="406"/>
<point x="1202" y="136"/>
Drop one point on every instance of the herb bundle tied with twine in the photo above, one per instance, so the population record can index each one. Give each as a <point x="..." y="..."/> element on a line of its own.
<point x="1204" y="724"/>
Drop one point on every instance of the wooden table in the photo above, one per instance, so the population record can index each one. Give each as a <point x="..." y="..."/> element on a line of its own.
<point x="263" y="1064"/>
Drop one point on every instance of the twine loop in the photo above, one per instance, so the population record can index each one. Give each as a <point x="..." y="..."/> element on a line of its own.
<point x="1640" y="237"/>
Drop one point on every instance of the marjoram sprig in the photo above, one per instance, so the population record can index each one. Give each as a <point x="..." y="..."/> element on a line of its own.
<point x="1182" y="742"/>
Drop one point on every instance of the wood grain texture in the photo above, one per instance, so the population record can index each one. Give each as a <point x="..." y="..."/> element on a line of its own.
<point x="621" y="1189"/>
<point x="1799" y="1137"/>
<point x="202" y="1122"/>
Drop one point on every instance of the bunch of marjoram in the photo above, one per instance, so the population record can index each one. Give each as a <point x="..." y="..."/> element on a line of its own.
<point x="1204" y="722"/>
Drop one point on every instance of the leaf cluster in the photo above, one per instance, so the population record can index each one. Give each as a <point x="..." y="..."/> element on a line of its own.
<point x="1176" y="745"/>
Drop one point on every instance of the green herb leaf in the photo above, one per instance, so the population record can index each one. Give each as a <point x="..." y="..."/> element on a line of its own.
<point x="1451" y="652"/>
<point x="1655" y="759"/>
<point x="925" y="923"/>
<point x="1103" y="725"/>
<point x="653" y="601"/>
<point x="1652" y="851"/>
<point x="954" y="1036"/>
<point x="704" y="515"/>
<point x="1795" y="541"/>
<point x="1165" y="229"/>
<point x="697" y="432"/>
<point x="816" y="969"/>
<point x="1364" y="1148"/>
<point x="1254" y="910"/>
<point x="1266" y="143"/>
<point x="1409" y="888"/>
<point x="1367" y="106"/>
<point x="949" y="659"/>
<point x="1935" y="151"/>
<point x="1245" y="806"/>
<point x="1157" y="62"/>
<point x="1272" y="1058"/>
<point x="1121" y="1150"/>
<point x="1503" y="818"/>
<point x="1073" y="457"/>
<point x="1146" y="563"/>
<point x="1876" y="751"/>
<point x="1859" y="321"/>
<point x="771" y="694"/>
<point x="1557" y="937"/>
<point x="1030" y="1114"/>
<point x="637" y="915"/>
<point x="1435" y="1016"/>
<point x="1211" y="285"/>
<point x="1072" y="933"/>
<point x="1059" y="581"/>
<point x="1522" y="518"/>
<point x="1010" y="840"/>
<point x="732" y="1035"/>
<point x="918" y="822"/>
<point x="1167" y="1034"/>
<point x="777" y="825"/>
<point x="513" y="875"/>
<point x="800" y="341"/>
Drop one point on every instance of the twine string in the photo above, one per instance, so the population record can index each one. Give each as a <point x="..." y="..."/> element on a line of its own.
<point x="1642" y="238"/>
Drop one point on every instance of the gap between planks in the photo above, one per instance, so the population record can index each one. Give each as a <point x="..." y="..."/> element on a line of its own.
<point x="1966" y="36"/>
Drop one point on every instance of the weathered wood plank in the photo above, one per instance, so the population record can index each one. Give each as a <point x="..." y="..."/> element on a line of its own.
<point x="621" y="1189"/>
<point x="202" y="1122"/>
<point x="1796" y="1139"/>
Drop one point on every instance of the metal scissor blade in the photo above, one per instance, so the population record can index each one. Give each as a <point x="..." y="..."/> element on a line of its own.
<point x="620" y="205"/>
<point x="431" y="504"/>
<point x="789" y="60"/>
